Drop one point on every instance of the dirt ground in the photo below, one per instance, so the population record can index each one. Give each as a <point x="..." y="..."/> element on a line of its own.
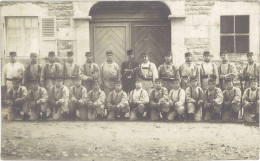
<point x="128" y="141"/>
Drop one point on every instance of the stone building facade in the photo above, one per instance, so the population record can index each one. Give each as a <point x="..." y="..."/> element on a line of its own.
<point x="171" y="25"/>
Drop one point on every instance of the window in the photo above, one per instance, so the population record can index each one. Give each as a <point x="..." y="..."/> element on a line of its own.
<point x="234" y="34"/>
<point x="22" y="35"/>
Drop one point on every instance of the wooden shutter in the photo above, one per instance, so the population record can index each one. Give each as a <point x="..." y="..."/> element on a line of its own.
<point x="48" y="28"/>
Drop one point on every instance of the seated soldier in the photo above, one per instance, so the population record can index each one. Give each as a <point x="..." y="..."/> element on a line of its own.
<point x="213" y="101"/>
<point x="95" y="102"/>
<point x="138" y="99"/>
<point x="15" y="99"/>
<point x="78" y="101"/>
<point x="159" y="100"/>
<point x="58" y="100"/>
<point x="250" y="102"/>
<point x="117" y="103"/>
<point x="177" y="100"/>
<point x="36" y="104"/>
<point x="231" y="101"/>
<point x="194" y="100"/>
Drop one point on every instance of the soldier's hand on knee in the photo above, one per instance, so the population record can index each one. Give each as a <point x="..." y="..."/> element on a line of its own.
<point x="57" y="103"/>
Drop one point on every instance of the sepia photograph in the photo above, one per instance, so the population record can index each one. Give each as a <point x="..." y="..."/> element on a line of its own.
<point x="130" y="80"/>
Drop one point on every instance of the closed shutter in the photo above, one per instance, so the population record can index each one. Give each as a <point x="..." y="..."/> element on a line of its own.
<point x="48" y="28"/>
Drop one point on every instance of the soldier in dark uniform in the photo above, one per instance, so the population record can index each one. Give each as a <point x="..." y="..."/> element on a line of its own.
<point x="129" y="71"/>
<point x="33" y="72"/>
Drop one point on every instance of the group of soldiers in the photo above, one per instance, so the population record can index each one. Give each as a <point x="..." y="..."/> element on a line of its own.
<point x="70" y="91"/>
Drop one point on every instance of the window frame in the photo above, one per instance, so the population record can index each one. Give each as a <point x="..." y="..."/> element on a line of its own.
<point x="234" y="34"/>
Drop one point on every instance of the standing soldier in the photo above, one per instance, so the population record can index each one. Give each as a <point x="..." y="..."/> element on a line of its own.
<point x="231" y="101"/>
<point x="251" y="70"/>
<point x="36" y="103"/>
<point x="15" y="99"/>
<point x="138" y="99"/>
<point x="208" y="70"/>
<point x="11" y="70"/>
<point x="251" y="101"/>
<point x="159" y="100"/>
<point x="110" y="73"/>
<point x="58" y="99"/>
<point x="33" y="72"/>
<point x="167" y="71"/>
<point x="129" y="71"/>
<point x="148" y="72"/>
<point x="194" y="100"/>
<point x="78" y="100"/>
<point x="89" y="71"/>
<point x="188" y="69"/>
<point x="213" y="102"/>
<point x="70" y="71"/>
<point x="96" y="102"/>
<point x="225" y="69"/>
<point x="117" y="103"/>
<point x="177" y="101"/>
<point x="50" y="72"/>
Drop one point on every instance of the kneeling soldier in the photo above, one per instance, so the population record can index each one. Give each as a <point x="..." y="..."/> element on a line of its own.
<point x="15" y="99"/>
<point x="117" y="103"/>
<point x="95" y="102"/>
<point x="251" y="102"/>
<point x="194" y="100"/>
<point x="58" y="100"/>
<point x="177" y="100"/>
<point x="213" y="101"/>
<point x="36" y="102"/>
<point x="138" y="99"/>
<point x="78" y="98"/>
<point x="231" y="101"/>
<point x="159" y="100"/>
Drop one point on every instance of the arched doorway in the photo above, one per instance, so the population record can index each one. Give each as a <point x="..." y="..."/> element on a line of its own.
<point x="119" y="26"/>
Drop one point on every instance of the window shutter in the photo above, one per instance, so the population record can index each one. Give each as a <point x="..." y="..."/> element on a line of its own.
<point x="48" y="28"/>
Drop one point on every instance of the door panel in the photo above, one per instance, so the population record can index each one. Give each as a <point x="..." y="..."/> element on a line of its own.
<point x="153" y="37"/>
<point x="110" y="36"/>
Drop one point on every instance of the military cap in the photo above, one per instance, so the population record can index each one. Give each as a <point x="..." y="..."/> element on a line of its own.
<point x="130" y="52"/>
<point x="17" y="79"/>
<point x="144" y="53"/>
<point x="213" y="77"/>
<point x="138" y="80"/>
<point x="109" y="52"/>
<point x="51" y="53"/>
<point x="168" y="54"/>
<point x="188" y="54"/>
<point x="250" y="54"/>
<point x="175" y="79"/>
<point x="228" y="80"/>
<point x="34" y="81"/>
<point x="206" y="53"/>
<point x="230" y="76"/>
<point x="223" y="52"/>
<point x="33" y="55"/>
<point x="118" y="82"/>
<point x="193" y="78"/>
<point x="253" y="79"/>
<point x="212" y="80"/>
<point x="88" y="53"/>
<point x="70" y="53"/>
<point x="12" y="53"/>
<point x="94" y="82"/>
<point x="157" y="80"/>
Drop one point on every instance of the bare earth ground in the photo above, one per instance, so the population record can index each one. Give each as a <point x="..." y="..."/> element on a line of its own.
<point x="128" y="141"/>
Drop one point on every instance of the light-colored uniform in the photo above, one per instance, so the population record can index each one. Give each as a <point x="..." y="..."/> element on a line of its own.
<point x="224" y="69"/>
<point x="96" y="104"/>
<point x="10" y="71"/>
<point x="231" y="103"/>
<point x="31" y="106"/>
<point x="193" y="96"/>
<point x="148" y="73"/>
<point x="210" y="108"/>
<point x="110" y="73"/>
<point x="252" y="97"/>
<point x="88" y="73"/>
<point x="78" y="94"/>
<point x="50" y="71"/>
<point x="33" y="72"/>
<point x="188" y="69"/>
<point x="177" y="101"/>
<point x="117" y="104"/>
<point x="62" y="95"/>
<point x="207" y="70"/>
<point x="159" y="102"/>
<point x="167" y="71"/>
<point x="250" y="71"/>
<point x="69" y="71"/>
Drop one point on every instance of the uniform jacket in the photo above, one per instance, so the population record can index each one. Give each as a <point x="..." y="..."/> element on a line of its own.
<point x="251" y="71"/>
<point x="209" y="68"/>
<point x="11" y="70"/>
<point x="189" y="69"/>
<point x="96" y="96"/>
<point x="129" y="65"/>
<point x="40" y="93"/>
<point x="33" y="72"/>
<point x="89" y="70"/>
<point x="115" y="98"/>
<point x="168" y="71"/>
<point x="13" y="94"/>
<point x="194" y="94"/>
<point x="177" y="96"/>
<point x="216" y="94"/>
<point x="226" y="68"/>
<point x="250" y="96"/>
<point x="52" y="70"/>
<point x="148" y="70"/>
<point x="78" y="93"/>
<point x="139" y="95"/>
<point x="59" y="94"/>
<point x="232" y="95"/>
<point x="155" y="95"/>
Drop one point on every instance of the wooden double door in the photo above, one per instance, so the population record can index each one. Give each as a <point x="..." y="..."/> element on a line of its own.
<point x="119" y="37"/>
